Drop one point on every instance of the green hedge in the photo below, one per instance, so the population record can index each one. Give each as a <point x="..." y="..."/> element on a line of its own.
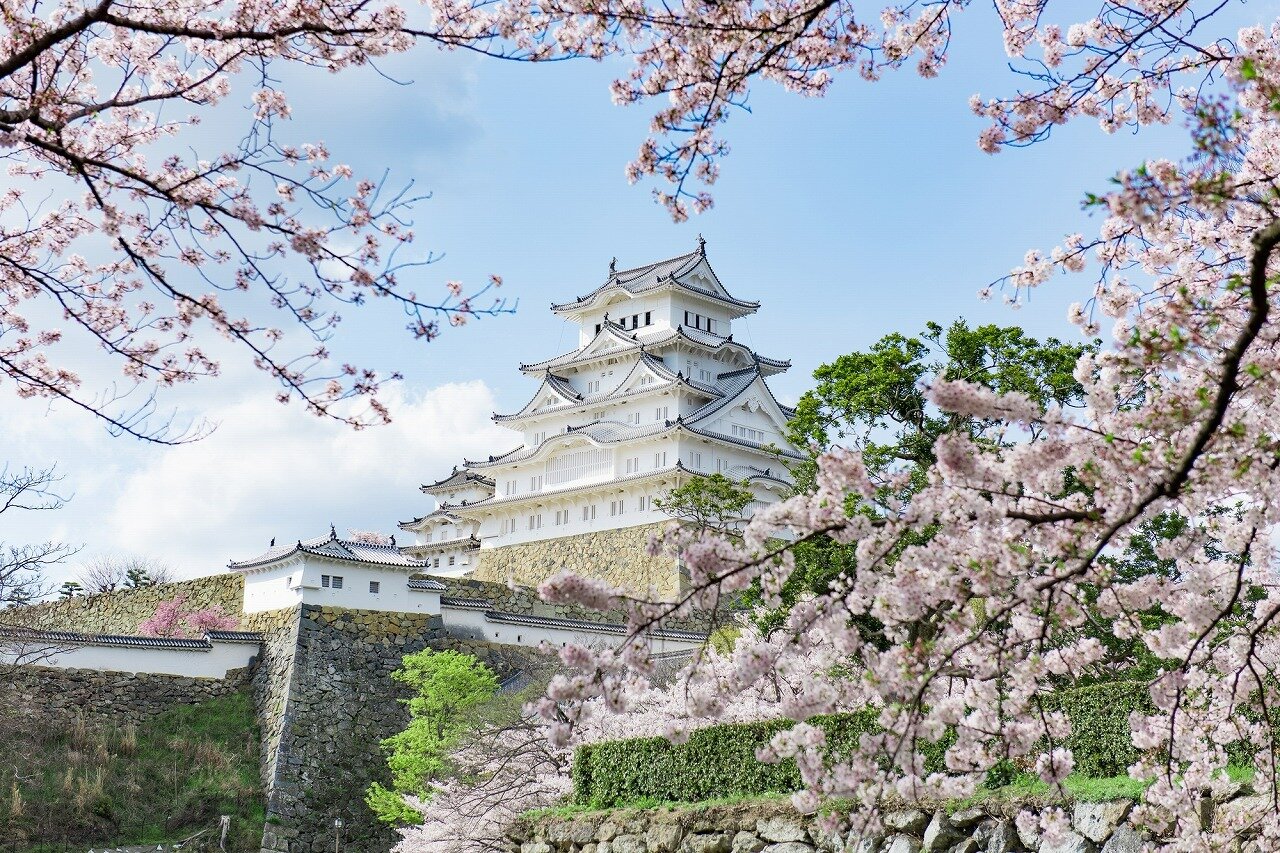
<point x="1099" y="717"/>
<point x="720" y="761"/>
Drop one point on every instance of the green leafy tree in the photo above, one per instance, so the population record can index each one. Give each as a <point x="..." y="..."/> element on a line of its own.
<point x="711" y="502"/>
<point x="874" y="400"/>
<point x="448" y="689"/>
<point x="70" y="589"/>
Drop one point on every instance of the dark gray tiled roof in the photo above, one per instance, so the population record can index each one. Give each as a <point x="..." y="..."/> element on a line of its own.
<point x="72" y="638"/>
<point x="427" y="584"/>
<point x="459" y="478"/>
<point x="654" y="340"/>
<point x="587" y="625"/>
<point x="335" y="549"/>
<point x="462" y="603"/>
<point x="642" y="279"/>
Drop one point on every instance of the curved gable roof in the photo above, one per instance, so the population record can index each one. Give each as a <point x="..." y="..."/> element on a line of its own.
<point x="674" y="272"/>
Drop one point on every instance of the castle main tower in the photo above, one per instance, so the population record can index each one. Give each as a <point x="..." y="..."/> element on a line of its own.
<point x="657" y="391"/>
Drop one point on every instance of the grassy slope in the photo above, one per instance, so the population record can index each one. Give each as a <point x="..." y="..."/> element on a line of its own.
<point x="66" y="782"/>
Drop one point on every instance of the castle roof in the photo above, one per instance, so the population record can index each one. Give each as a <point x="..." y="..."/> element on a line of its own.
<point x="332" y="548"/>
<point x="460" y="478"/>
<point x="670" y="380"/>
<point x="72" y="638"/>
<point x="626" y="344"/>
<point x="669" y="274"/>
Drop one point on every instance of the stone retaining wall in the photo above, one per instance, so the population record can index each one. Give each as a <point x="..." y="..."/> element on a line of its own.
<point x="773" y="826"/>
<point x="121" y="612"/>
<point x="330" y="706"/>
<point x="121" y="698"/>
<point x="615" y="556"/>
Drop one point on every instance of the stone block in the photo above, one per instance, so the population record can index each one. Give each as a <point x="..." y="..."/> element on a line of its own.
<point x="662" y="838"/>
<point x="1003" y="837"/>
<point x="747" y="842"/>
<point x="968" y="845"/>
<point x="629" y="844"/>
<point x="788" y="847"/>
<point x="709" y="842"/>
<point x="939" y="835"/>
<point x="912" y="821"/>
<point x="901" y="844"/>
<point x="966" y="818"/>
<point x="1125" y="839"/>
<point x="1072" y="842"/>
<point x="1096" y="821"/>
<point x="780" y="829"/>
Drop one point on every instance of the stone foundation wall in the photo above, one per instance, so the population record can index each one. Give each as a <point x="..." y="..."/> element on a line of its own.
<point x="330" y="706"/>
<point x="615" y="556"/>
<point x="122" y="611"/>
<point x="773" y="826"/>
<point x="121" y="698"/>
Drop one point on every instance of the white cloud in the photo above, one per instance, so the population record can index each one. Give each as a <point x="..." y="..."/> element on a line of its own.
<point x="274" y="471"/>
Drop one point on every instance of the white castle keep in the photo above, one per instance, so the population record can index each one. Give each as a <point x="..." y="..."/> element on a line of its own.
<point x="656" y="391"/>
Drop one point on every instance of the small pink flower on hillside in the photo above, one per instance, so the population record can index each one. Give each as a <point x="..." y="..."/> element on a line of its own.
<point x="171" y="620"/>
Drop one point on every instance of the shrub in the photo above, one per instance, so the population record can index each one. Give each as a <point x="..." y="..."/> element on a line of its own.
<point x="720" y="761"/>
<point x="1100" y="729"/>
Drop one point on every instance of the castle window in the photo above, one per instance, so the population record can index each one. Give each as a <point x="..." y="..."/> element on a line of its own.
<point x="660" y="460"/>
<point x="617" y="507"/>
<point x="375" y="587"/>
<point x="435" y="564"/>
<point x="642" y="503"/>
<point x="589" y="513"/>
<point x="324" y="581"/>
<point x="660" y="413"/>
<point x="711" y="325"/>
<point x="427" y="538"/>
<point x="648" y="318"/>
<point x="535" y="483"/>
<point x="451" y="560"/>
<point x="535" y="522"/>
<point x="633" y="464"/>
<point x="331" y="581"/>
<point x="599" y="326"/>
<point x="747" y="433"/>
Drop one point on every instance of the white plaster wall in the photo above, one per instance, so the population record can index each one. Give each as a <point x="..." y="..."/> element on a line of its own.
<point x="474" y="622"/>
<point x="193" y="663"/>
<point x="393" y="593"/>
<point x="463" y="562"/>
<point x="275" y="588"/>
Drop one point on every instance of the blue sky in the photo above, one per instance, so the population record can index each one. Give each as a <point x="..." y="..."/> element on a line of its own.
<point x="866" y="212"/>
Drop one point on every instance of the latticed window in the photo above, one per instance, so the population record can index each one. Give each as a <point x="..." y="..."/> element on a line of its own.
<point x="578" y="465"/>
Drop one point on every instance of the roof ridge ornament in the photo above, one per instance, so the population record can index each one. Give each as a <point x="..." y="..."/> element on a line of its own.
<point x="702" y="246"/>
<point x="613" y="267"/>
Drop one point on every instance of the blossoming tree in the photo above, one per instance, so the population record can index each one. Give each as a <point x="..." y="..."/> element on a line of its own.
<point x="125" y="233"/>
<point x="173" y="618"/>
<point x="1001" y="602"/>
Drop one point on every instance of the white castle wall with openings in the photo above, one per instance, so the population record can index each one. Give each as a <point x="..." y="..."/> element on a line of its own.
<point x="339" y="573"/>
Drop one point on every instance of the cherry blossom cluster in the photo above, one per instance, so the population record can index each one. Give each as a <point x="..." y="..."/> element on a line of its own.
<point x="119" y="235"/>
<point x="172" y="618"/>
<point x="1125" y="65"/>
